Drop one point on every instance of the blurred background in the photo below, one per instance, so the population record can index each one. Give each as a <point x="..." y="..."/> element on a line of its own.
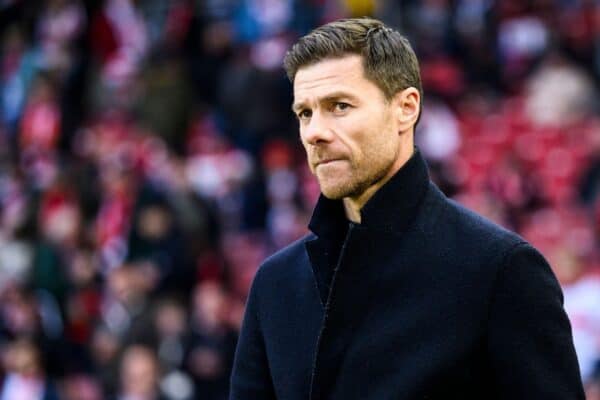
<point x="149" y="161"/>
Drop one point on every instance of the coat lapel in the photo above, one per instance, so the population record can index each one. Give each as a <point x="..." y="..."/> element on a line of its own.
<point x="320" y="260"/>
<point x="354" y="282"/>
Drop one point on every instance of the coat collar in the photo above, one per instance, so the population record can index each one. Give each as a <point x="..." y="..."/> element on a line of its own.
<point x="356" y="256"/>
<point x="390" y="209"/>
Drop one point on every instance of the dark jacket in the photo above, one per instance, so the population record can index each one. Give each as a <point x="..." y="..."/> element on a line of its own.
<point x="427" y="301"/>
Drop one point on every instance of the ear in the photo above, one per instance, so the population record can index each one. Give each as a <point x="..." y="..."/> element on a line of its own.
<point x="408" y="105"/>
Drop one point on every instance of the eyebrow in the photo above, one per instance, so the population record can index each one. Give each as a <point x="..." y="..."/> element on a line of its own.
<point x="328" y="98"/>
<point x="297" y="107"/>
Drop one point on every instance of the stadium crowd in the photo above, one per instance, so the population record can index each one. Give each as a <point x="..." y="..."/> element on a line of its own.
<point x="149" y="161"/>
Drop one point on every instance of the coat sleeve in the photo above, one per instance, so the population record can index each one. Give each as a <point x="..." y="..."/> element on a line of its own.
<point x="250" y="378"/>
<point x="529" y="341"/>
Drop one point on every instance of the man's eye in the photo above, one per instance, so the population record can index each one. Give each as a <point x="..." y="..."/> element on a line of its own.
<point x="304" y="114"/>
<point x="340" y="106"/>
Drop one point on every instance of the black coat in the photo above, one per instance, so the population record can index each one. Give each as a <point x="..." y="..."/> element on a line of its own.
<point x="427" y="301"/>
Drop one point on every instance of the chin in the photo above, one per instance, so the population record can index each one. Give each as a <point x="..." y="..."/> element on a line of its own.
<point x="333" y="192"/>
<point x="332" y="196"/>
<point x="337" y="192"/>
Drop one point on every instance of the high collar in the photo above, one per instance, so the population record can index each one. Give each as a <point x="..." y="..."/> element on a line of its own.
<point x="390" y="209"/>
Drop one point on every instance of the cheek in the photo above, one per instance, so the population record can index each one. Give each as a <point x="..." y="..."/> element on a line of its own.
<point x="380" y="147"/>
<point x="362" y="144"/>
<point x="353" y="135"/>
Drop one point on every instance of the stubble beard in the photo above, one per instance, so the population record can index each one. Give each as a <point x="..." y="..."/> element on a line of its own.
<point x="356" y="184"/>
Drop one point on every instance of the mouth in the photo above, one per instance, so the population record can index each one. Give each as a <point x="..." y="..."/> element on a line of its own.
<point x="326" y="161"/>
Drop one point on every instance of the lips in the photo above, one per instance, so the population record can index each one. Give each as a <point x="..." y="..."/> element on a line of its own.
<point x="326" y="161"/>
<point x="324" y="158"/>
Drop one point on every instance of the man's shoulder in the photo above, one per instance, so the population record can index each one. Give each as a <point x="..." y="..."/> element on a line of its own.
<point x="286" y="262"/>
<point x="477" y="246"/>
<point x="462" y="228"/>
<point x="291" y="252"/>
<point x="466" y="224"/>
<point x="481" y="226"/>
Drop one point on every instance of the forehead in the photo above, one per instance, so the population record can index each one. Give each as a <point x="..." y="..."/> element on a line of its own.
<point x="343" y="74"/>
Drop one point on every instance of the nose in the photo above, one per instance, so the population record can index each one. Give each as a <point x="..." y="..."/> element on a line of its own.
<point x="316" y="130"/>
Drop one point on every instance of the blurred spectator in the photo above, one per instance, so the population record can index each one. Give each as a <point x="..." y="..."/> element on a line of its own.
<point x="125" y="304"/>
<point x="592" y="388"/>
<point x="170" y="327"/>
<point x="82" y="305"/>
<point x="286" y="219"/>
<point x="40" y="125"/>
<point x="155" y="240"/>
<point x="439" y="135"/>
<point x="559" y="93"/>
<point x="25" y="378"/>
<point x="165" y="100"/>
<point x="19" y="317"/>
<point x="60" y="25"/>
<point x="16" y="250"/>
<point x="139" y="375"/>
<point x="104" y="347"/>
<point x="212" y="342"/>
<point x="582" y="300"/>
<point x="81" y="387"/>
<point x="18" y="70"/>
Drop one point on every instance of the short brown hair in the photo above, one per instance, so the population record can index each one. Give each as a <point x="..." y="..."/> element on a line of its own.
<point x="388" y="59"/>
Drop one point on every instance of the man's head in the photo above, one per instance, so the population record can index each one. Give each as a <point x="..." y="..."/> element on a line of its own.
<point x="357" y="95"/>
<point x="388" y="59"/>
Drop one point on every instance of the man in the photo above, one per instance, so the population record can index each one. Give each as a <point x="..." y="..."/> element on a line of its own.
<point x="398" y="292"/>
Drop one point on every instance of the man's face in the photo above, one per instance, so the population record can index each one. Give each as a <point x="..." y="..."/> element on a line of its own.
<point x="347" y="127"/>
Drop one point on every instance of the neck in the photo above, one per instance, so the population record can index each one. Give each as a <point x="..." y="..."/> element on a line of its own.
<point x="353" y="205"/>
